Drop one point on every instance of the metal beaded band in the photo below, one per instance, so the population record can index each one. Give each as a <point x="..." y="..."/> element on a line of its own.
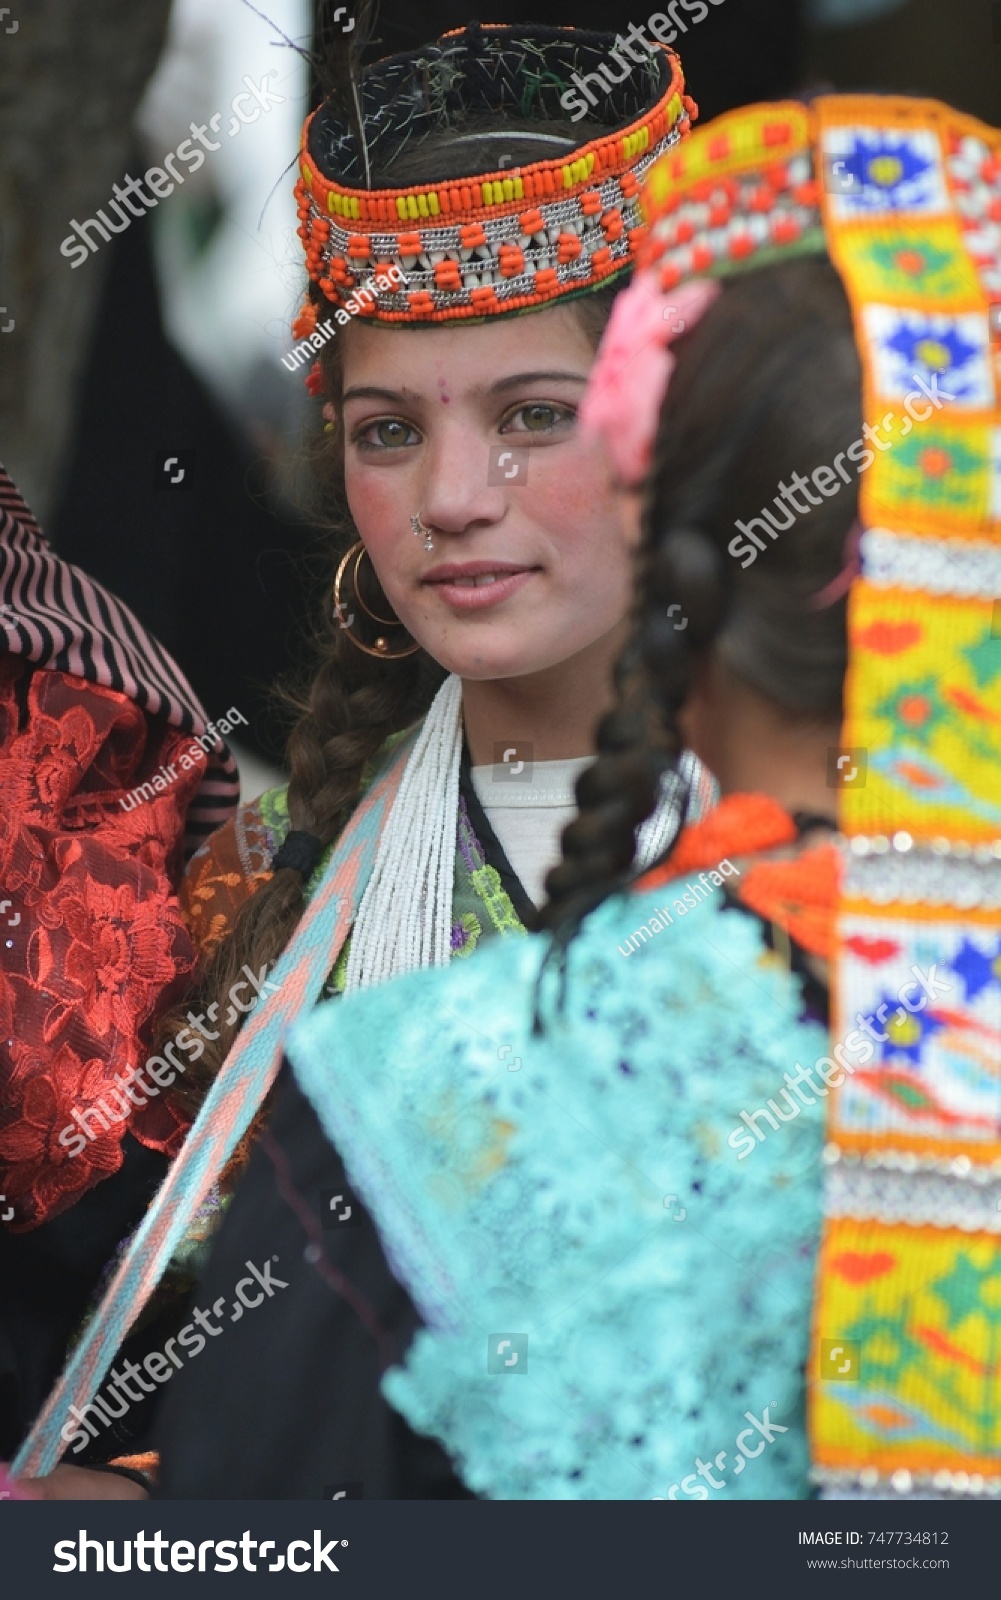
<point x="871" y="1484"/>
<point x="898" y="1188"/>
<point x="501" y="242"/>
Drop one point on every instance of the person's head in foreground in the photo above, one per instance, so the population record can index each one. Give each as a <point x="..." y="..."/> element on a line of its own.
<point x="641" y="1184"/>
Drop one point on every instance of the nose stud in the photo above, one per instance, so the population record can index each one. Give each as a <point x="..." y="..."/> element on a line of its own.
<point x="418" y="528"/>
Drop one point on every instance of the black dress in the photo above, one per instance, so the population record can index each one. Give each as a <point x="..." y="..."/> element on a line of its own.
<point x="286" y="1405"/>
<point x="48" y="1279"/>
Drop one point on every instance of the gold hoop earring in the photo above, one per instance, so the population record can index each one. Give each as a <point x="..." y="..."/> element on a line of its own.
<point x="381" y="647"/>
<point x="385" y="622"/>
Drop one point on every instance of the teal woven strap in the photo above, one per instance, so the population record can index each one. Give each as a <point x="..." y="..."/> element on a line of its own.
<point x="227" y="1112"/>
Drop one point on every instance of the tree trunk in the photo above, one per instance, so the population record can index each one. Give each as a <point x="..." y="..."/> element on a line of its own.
<point x="71" y="77"/>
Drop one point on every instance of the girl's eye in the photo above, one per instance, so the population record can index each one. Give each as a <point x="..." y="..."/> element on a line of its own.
<point x="538" y="417"/>
<point x="388" y="433"/>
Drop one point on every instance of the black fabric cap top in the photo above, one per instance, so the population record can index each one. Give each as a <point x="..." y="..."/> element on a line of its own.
<point x="301" y="851"/>
<point x="516" y="72"/>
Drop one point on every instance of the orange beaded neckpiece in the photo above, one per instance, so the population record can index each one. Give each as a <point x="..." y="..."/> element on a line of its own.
<point x="798" y="895"/>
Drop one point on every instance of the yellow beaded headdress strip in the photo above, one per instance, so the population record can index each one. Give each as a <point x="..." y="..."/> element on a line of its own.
<point x="905" y="196"/>
<point x="508" y="240"/>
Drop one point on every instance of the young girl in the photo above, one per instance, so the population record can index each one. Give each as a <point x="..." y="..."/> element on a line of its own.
<point x="477" y="610"/>
<point x="624" y="1205"/>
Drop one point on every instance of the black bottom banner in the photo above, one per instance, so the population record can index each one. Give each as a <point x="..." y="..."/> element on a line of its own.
<point x="514" y="1550"/>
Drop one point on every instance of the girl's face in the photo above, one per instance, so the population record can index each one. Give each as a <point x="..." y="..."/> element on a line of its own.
<point x="474" y="429"/>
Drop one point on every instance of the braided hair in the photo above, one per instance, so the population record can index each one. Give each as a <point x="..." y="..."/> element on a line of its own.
<point x="767" y="382"/>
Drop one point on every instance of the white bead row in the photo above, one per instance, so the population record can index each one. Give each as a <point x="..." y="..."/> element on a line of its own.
<point x="908" y="1162"/>
<point x="926" y="1199"/>
<point x="871" y="1484"/>
<point x="938" y="566"/>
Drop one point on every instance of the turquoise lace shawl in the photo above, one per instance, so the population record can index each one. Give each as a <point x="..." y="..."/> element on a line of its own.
<point x="613" y="1297"/>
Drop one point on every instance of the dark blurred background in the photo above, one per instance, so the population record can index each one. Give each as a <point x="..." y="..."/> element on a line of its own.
<point x="168" y="341"/>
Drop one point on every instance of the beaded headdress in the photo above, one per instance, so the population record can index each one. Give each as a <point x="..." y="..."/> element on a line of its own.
<point x="905" y="196"/>
<point x="504" y="241"/>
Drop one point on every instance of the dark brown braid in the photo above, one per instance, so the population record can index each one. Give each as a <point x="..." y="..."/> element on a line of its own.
<point x="767" y="383"/>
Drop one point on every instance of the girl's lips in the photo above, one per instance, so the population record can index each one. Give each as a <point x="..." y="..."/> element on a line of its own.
<point x="478" y="586"/>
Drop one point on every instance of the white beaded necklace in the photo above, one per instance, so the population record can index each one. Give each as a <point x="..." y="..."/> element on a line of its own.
<point x="405" y="917"/>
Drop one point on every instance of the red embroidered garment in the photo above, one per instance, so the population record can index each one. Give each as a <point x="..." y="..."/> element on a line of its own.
<point x="93" y="947"/>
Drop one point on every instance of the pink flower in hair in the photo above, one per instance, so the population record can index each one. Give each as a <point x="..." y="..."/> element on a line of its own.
<point x="634" y="364"/>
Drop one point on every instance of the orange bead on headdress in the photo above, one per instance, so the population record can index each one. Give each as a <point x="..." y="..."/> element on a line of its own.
<point x="499" y="242"/>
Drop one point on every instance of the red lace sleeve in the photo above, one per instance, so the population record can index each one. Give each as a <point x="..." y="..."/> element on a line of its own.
<point x="93" y="946"/>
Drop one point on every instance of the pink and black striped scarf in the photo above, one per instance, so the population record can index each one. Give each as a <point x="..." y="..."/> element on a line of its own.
<point x="53" y="615"/>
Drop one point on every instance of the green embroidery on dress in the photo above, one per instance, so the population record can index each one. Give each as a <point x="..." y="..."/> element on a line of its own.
<point x="481" y="907"/>
<point x="337" y="981"/>
<point x="471" y="927"/>
<point x="500" y="907"/>
<point x="273" y="806"/>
